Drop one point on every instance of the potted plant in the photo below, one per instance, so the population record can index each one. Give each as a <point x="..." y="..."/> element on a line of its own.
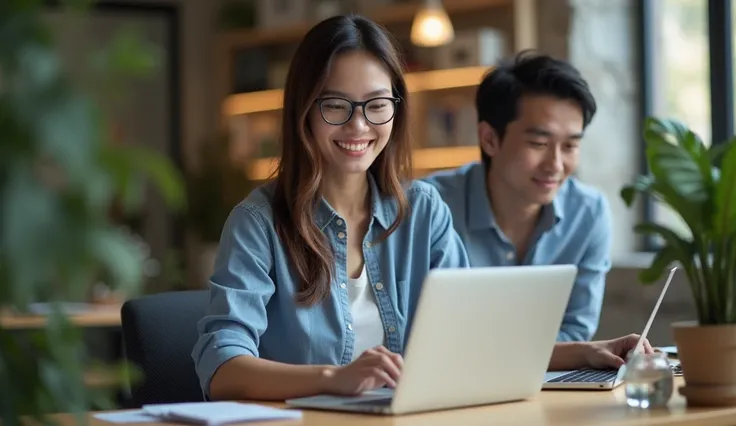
<point x="59" y="179"/>
<point x="699" y="184"/>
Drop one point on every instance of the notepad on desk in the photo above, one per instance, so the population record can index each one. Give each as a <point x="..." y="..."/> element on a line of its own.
<point x="202" y="413"/>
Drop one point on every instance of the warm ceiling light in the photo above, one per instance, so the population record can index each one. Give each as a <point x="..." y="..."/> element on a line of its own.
<point x="432" y="26"/>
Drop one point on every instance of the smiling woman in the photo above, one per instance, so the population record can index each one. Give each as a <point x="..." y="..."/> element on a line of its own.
<point x="319" y="271"/>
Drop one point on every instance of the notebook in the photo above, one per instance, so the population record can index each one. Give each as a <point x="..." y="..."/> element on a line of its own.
<point x="202" y="413"/>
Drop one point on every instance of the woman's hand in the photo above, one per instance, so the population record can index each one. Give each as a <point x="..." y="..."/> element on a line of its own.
<point x="612" y="353"/>
<point x="375" y="368"/>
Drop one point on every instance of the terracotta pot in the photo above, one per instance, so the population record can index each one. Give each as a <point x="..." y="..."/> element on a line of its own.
<point x="708" y="358"/>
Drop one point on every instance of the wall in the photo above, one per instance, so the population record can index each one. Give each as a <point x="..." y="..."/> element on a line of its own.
<point x="601" y="41"/>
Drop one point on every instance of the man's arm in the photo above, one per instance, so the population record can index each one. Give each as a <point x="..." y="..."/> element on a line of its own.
<point x="584" y="308"/>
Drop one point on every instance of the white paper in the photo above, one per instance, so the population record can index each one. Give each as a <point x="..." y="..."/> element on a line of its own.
<point x="218" y="413"/>
<point x="136" y="416"/>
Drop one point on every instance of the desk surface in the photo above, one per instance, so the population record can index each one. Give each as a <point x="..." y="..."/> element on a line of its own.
<point x="547" y="408"/>
<point x="96" y="316"/>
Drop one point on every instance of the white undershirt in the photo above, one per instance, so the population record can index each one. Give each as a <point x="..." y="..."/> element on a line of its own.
<point x="367" y="324"/>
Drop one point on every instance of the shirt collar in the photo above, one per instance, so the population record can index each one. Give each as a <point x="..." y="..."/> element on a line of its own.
<point x="382" y="209"/>
<point x="480" y="212"/>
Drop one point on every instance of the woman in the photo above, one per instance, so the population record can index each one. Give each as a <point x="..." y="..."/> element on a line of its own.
<point x="318" y="272"/>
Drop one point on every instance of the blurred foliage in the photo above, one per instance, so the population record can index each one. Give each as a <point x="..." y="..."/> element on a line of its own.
<point x="215" y="188"/>
<point x="59" y="178"/>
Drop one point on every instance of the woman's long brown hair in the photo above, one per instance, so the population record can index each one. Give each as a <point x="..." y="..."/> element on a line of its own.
<point x="301" y="167"/>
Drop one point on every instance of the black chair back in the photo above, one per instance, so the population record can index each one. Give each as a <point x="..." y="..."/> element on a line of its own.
<point x="159" y="332"/>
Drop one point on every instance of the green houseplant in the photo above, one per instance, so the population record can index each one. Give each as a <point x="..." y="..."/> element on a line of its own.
<point x="60" y="177"/>
<point x="699" y="184"/>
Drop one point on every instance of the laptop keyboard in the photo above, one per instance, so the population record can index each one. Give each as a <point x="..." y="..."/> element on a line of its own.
<point x="597" y="376"/>
<point x="586" y="376"/>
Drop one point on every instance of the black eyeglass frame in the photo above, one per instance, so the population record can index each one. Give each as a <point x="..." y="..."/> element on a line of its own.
<point x="354" y="105"/>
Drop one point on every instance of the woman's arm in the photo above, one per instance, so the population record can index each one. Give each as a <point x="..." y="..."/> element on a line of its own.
<point x="240" y="288"/>
<point x="248" y="377"/>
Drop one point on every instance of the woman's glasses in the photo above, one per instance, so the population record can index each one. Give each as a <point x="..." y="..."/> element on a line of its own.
<point x="377" y="111"/>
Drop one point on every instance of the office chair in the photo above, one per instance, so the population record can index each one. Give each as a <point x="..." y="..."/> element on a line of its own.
<point x="159" y="332"/>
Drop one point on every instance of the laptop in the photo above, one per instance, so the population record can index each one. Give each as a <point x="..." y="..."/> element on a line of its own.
<point x="604" y="379"/>
<point x="479" y="336"/>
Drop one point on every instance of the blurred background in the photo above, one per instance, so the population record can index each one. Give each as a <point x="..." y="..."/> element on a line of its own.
<point x="212" y="107"/>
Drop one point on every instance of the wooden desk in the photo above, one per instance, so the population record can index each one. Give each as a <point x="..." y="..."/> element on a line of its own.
<point x="96" y="316"/>
<point x="547" y="408"/>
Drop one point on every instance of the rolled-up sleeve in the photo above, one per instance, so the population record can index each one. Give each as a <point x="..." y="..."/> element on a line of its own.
<point x="240" y="288"/>
<point x="584" y="308"/>
<point x="447" y="249"/>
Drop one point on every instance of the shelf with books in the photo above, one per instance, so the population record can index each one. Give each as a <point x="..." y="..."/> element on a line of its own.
<point x="400" y="13"/>
<point x="271" y="100"/>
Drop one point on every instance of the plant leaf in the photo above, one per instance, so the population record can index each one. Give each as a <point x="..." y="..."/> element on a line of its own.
<point x="683" y="250"/>
<point x="681" y="176"/>
<point x="716" y="151"/>
<point x="672" y="164"/>
<point x="662" y="260"/>
<point x="725" y="200"/>
<point x="121" y="258"/>
<point x="163" y="174"/>
<point x="641" y="184"/>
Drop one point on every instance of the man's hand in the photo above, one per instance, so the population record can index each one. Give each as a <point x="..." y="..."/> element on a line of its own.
<point x="612" y="353"/>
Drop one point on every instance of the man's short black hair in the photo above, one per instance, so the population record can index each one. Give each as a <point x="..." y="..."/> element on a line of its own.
<point x="529" y="73"/>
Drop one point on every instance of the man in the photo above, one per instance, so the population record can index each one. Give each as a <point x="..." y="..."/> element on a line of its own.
<point x="521" y="205"/>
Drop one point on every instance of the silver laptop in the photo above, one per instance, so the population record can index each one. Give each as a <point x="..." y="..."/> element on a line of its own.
<point x="604" y="379"/>
<point x="479" y="336"/>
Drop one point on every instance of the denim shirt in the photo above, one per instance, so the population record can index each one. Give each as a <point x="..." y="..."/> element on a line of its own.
<point x="253" y="309"/>
<point x="574" y="229"/>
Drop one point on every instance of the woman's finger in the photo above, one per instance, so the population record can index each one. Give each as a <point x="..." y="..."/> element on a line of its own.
<point x="382" y="377"/>
<point x="388" y="365"/>
<point x="396" y="358"/>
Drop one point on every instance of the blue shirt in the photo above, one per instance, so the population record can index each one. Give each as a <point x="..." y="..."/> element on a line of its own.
<point x="253" y="309"/>
<point x="574" y="229"/>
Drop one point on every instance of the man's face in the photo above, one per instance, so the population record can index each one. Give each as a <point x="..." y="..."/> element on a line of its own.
<point x="539" y="149"/>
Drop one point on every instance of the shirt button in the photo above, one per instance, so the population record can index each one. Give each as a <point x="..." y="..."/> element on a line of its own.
<point x="369" y="245"/>
<point x="340" y="235"/>
<point x="379" y="286"/>
<point x="342" y="285"/>
<point x="350" y="327"/>
<point x="510" y="255"/>
<point x="391" y="329"/>
<point x="339" y="222"/>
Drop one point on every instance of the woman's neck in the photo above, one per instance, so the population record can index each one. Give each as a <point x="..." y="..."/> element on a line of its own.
<point x="348" y="195"/>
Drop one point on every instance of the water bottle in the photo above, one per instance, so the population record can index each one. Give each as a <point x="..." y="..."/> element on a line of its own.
<point x="648" y="380"/>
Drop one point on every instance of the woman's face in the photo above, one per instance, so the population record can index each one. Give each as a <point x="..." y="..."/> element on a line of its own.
<point x="350" y="147"/>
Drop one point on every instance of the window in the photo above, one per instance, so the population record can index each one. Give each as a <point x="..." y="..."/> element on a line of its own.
<point x="687" y="67"/>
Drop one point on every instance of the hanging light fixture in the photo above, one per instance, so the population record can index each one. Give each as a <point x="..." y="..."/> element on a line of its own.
<point x="431" y="26"/>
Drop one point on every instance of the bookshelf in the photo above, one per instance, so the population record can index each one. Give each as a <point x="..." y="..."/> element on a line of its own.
<point x="429" y="87"/>
<point x="384" y="14"/>
<point x="271" y="100"/>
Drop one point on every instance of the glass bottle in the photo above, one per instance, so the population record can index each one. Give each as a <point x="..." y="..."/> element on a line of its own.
<point x="648" y="380"/>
